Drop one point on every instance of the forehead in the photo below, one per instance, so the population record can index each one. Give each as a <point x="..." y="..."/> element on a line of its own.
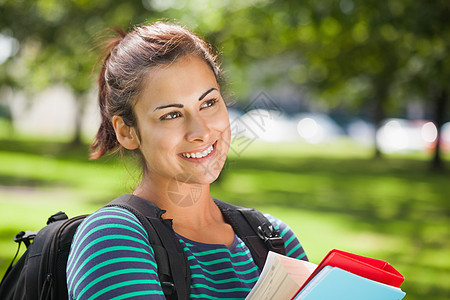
<point x="187" y="77"/>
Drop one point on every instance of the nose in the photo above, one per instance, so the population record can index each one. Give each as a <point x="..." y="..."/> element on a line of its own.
<point x="198" y="130"/>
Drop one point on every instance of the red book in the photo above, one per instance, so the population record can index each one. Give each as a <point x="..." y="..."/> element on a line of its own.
<point x="370" y="268"/>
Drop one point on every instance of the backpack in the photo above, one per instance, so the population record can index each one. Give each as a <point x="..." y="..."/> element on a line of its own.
<point x="40" y="273"/>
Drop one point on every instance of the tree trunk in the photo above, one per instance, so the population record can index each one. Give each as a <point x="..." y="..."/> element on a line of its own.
<point x="77" y="138"/>
<point x="379" y="110"/>
<point x="441" y="99"/>
<point x="378" y="119"/>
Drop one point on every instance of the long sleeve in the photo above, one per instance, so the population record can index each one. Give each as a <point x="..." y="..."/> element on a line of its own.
<point x="111" y="258"/>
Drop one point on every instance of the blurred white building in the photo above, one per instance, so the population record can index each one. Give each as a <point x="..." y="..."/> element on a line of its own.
<point x="51" y="113"/>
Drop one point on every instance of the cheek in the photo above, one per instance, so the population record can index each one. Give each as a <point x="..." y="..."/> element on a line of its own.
<point x="222" y="118"/>
<point x="226" y="133"/>
<point x="157" y="142"/>
<point x="223" y="125"/>
<point x="167" y="141"/>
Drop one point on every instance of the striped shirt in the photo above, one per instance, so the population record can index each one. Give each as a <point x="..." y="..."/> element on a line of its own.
<point x="111" y="258"/>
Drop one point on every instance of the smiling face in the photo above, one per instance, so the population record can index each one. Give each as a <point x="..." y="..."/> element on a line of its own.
<point x="183" y="122"/>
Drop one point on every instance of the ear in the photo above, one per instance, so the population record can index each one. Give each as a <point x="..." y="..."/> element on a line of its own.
<point x="126" y="135"/>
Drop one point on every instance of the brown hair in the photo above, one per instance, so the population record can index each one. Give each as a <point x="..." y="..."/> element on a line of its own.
<point x="127" y="59"/>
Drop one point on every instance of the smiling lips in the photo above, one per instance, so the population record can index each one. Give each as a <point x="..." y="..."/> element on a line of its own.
<point x="202" y="154"/>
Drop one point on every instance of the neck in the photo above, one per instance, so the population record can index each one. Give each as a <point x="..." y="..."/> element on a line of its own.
<point x="188" y="204"/>
<point x="191" y="208"/>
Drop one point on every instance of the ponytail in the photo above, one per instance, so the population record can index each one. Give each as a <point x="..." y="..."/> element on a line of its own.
<point x="105" y="140"/>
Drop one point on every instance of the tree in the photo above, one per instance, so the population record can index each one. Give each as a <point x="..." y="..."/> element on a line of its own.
<point x="350" y="52"/>
<point x="428" y="70"/>
<point x="56" y="39"/>
<point x="357" y="52"/>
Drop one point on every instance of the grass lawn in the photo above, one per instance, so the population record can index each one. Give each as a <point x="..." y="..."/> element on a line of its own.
<point x="333" y="196"/>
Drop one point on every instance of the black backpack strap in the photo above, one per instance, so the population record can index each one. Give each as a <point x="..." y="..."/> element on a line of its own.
<point x="254" y="229"/>
<point x="173" y="267"/>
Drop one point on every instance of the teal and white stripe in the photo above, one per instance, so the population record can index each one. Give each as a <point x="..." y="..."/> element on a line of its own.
<point x="111" y="258"/>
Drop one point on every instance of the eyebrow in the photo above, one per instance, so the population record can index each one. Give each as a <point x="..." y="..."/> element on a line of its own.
<point x="181" y="105"/>
<point x="170" y="105"/>
<point x="206" y="93"/>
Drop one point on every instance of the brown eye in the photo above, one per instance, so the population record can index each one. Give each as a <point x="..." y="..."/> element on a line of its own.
<point x="172" y="115"/>
<point x="208" y="103"/>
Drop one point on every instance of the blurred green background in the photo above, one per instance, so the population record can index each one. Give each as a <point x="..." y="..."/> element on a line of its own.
<point x="393" y="209"/>
<point x="369" y="61"/>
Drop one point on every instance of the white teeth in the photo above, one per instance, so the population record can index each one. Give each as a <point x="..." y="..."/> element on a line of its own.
<point x="199" y="154"/>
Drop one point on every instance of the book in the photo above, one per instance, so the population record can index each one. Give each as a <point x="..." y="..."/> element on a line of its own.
<point x="281" y="277"/>
<point x="367" y="267"/>
<point x="288" y="278"/>
<point x="335" y="283"/>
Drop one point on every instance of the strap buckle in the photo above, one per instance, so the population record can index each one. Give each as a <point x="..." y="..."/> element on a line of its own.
<point x="26" y="237"/>
<point x="271" y="237"/>
<point x="266" y="231"/>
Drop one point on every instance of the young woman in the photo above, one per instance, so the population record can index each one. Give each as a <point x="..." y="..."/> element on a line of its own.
<point x="159" y="95"/>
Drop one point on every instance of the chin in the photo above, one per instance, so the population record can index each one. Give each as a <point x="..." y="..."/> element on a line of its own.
<point x="207" y="177"/>
<point x="212" y="179"/>
<point x="197" y="177"/>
